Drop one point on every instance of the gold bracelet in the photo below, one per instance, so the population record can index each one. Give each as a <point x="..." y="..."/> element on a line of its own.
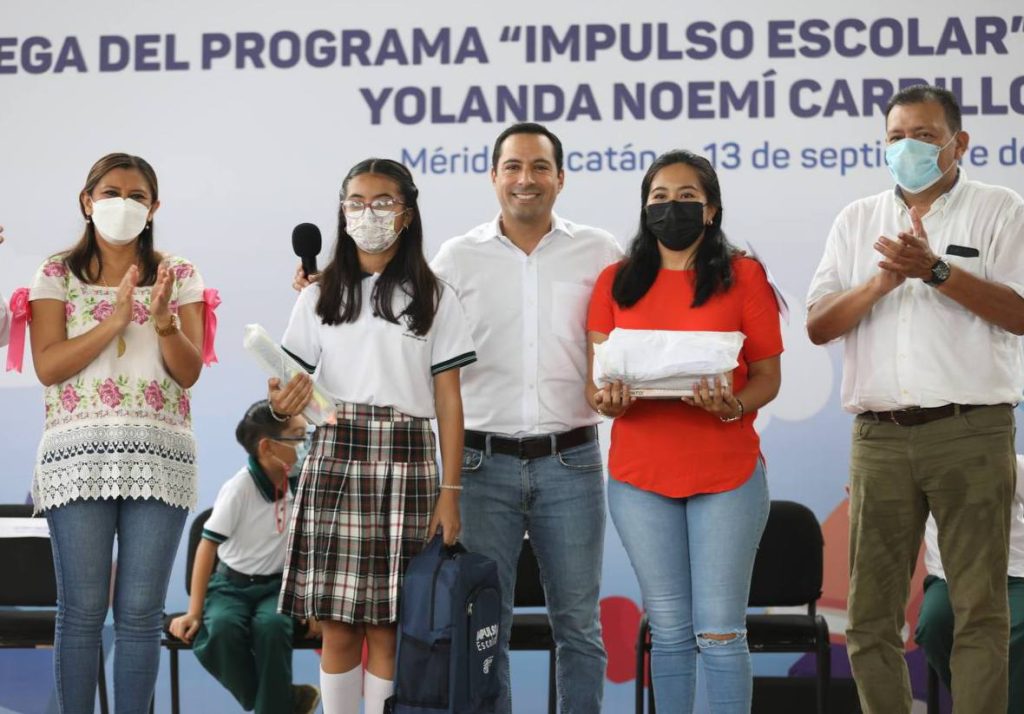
<point x="727" y="420"/>
<point x="169" y="330"/>
<point x="451" y="486"/>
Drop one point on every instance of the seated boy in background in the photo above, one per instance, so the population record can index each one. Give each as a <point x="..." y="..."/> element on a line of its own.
<point x="232" y="619"/>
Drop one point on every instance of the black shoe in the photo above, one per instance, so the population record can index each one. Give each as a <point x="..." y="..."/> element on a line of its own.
<point x="305" y="698"/>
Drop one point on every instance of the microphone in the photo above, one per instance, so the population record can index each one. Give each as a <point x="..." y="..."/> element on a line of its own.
<point x="306" y="243"/>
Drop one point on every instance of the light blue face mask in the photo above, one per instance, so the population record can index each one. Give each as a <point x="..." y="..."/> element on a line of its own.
<point x="301" y="452"/>
<point x="914" y="164"/>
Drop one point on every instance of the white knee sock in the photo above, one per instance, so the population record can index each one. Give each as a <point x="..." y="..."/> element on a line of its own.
<point x="375" y="692"/>
<point x="340" y="692"/>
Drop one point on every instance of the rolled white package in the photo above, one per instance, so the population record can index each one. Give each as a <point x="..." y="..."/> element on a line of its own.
<point x="665" y="363"/>
<point x="273" y="360"/>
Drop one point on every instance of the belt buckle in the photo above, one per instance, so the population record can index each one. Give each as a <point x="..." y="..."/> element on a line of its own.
<point x="895" y="420"/>
<point x="523" y="452"/>
<point x="521" y="449"/>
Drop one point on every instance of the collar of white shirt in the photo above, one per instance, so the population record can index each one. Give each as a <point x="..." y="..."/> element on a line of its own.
<point x="493" y="229"/>
<point x="942" y="202"/>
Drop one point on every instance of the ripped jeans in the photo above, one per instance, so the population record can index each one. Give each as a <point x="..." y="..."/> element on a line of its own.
<point x="693" y="558"/>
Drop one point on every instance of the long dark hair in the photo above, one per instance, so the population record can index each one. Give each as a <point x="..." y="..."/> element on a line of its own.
<point x="80" y="257"/>
<point x="712" y="262"/>
<point x="341" y="292"/>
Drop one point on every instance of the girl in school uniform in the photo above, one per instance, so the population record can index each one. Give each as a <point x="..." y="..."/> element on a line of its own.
<point x="386" y="338"/>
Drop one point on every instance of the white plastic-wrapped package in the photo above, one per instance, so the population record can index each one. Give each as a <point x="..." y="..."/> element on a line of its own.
<point x="665" y="362"/>
<point x="278" y="363"/>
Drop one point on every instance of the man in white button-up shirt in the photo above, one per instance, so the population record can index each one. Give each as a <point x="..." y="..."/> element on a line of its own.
<point x="532" y="461"/>
<point x="924" y="283"/>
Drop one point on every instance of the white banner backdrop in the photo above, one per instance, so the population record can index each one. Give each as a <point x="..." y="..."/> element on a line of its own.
<point x="253" y="112"/>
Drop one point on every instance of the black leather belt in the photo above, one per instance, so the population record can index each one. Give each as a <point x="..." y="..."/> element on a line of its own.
<point x="531" y="447"/>
<point x="242" y="579"/>
<point x="915" y="416"/>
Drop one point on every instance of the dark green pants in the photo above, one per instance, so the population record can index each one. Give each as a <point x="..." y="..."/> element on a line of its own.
<point x="962" y="469"/>
<point x="935" y="634"/>
<point x="247" y="645"/>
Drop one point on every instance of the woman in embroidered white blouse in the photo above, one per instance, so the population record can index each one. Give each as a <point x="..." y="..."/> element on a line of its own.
<point x="117" y="337"/>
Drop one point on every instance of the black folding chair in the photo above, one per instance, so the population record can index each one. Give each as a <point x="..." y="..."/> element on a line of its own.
<point x="29" y="582"/>
<point x="532" y="631"/>
<point x="174" y="645"/>
<point x="787" y="572"/>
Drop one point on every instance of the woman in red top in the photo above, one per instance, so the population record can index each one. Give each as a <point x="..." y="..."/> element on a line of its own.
<point x="687" y="490"/>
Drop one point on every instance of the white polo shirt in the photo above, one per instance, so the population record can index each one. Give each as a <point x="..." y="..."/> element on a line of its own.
<point x="244" y="524"/>
<point x="932" y="560"/>
<point x="918" y="347"/>
<point x="528" y="319"/>
<point x="373" y="361"/>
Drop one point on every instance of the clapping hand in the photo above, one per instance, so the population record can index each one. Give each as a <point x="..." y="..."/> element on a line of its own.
<point x="910" y="256"/>
<point x="124" y="304"/>
<point x="161" y="296"/>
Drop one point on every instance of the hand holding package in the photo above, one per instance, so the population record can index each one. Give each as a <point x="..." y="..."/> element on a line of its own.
<point x="277" y="363"/>
<point x="665" y="359"/>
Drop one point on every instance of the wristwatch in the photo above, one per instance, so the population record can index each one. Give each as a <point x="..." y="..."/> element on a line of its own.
<point x="940" y="273"/>
<point x="169" y="329"/>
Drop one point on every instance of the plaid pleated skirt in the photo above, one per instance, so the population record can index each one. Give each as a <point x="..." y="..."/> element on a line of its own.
<point x="365" y="499"/>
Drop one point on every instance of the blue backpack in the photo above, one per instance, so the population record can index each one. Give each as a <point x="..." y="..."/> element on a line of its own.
<point x="447" y="633"/>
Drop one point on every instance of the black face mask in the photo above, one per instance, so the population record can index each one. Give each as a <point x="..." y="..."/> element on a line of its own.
<point x="676" y="224"/>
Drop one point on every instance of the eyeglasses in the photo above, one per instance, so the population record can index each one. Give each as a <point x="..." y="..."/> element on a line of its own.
<point x="307" y="436"/>
<point x="380" y="207"/>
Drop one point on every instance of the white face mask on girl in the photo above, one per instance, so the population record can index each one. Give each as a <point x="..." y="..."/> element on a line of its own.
<point x="119" y="220"/>
<point x="372" y="233"/>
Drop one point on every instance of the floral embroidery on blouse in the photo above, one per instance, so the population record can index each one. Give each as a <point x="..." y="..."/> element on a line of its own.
<point x="121" y="426"/>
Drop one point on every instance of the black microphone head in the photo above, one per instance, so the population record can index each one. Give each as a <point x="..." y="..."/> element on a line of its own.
<point x="306" y="241"/>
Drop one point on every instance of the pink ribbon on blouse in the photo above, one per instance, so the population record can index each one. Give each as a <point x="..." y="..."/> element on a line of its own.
<point x="211" y="300"/>
<point x="21" y="315"/>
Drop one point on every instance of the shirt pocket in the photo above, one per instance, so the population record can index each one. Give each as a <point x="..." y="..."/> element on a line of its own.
<point x="569" y="310"/>
<point x="966" y="258"/>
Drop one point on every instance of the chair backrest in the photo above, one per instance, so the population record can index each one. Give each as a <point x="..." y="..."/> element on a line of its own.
<point x="789" y="561"/>
<point x="27" y="566"/>
<point x="195" y="534"/>
<point x="529" y="591"/>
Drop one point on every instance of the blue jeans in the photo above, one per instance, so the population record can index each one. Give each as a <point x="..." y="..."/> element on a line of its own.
<point x="559" y="499"/>
<point x="82" y="535"/>
<point x="693" y="558"/>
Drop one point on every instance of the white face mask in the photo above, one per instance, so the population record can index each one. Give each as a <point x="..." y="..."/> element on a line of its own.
<point x="119" y="220"/>
<point x="371" y="233"/>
